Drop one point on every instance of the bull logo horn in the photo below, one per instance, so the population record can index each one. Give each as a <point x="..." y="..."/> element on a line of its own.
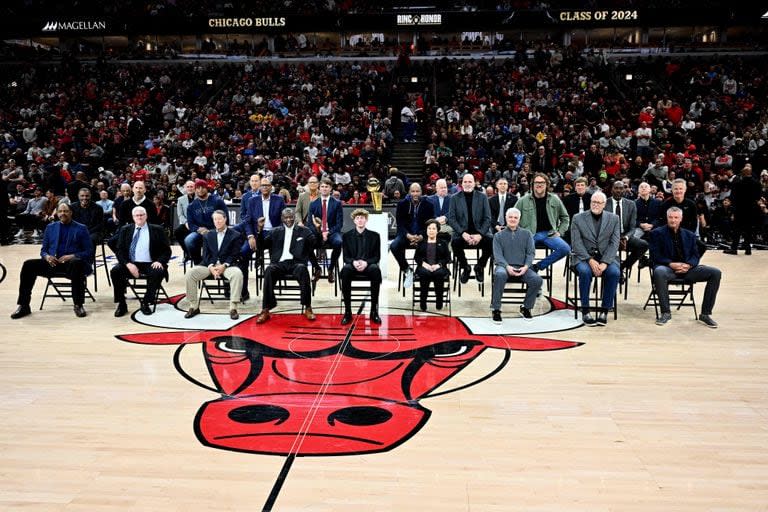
<point x="169" y="317"/>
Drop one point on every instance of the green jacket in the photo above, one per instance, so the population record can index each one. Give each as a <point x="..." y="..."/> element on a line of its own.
<point x="556" y="212"/>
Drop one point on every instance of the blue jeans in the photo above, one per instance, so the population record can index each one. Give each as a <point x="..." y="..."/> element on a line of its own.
<point x="560" y="248"/>
<point x="194" y="244"/>
<point x="610" y="282"/>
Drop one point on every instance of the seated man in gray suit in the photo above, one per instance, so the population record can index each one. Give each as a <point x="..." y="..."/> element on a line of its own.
<point x="513" y="252"/>
<point x="291" y="247"/>
<point x="221" y="254"/>
<point x="595" y="241"/>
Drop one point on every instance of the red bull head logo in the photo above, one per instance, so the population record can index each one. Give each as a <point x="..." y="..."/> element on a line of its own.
<point x="300" y="388"/>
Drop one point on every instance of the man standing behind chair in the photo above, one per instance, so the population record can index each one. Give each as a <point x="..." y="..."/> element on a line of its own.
<point x="327" y="217"/>
<point x="182" y="203"/>
<point x="675" y="255"/>
<point x="90" y="215"/>
<point x="291" y="246"/>
<point x="595" y="239"/>
<point x="626" y="210"/>
<point x="221" y="252"/>
<point x="362" y="252"/>
<point x="139" y="199"/>
<point x="441" y="203"/>
<point x="499" y="205"/>
<point x="66" y="251"/>
<point x="513" y="252"/>
<point x="142" y="250"/>
<point x="544" y="215"/>
<point x="470" y="218"/>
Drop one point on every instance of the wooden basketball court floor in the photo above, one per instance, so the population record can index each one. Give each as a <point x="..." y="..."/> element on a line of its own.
<point x="636" y="418"/>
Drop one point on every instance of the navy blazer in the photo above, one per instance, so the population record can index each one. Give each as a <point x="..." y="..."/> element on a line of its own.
<point x="335" y="214"/>
<point x="230" y="248"/>
<point x="663" y="250"/>
<point x="648" y="212"/>
<point x="255" y="210"/>
<point x="440" y="212"/>
<point x="78" y="243"/>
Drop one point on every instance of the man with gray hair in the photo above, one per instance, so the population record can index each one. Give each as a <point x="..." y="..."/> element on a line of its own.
<point x="675" y="255"/>
<point x="595" y="236"/>
<point x="142" y="249"/>
<point x="221" y="254"/>
<point x="513" y="252"/>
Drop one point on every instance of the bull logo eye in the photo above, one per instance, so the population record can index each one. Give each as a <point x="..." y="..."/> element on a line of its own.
<point x="449" y="349"/>
<point x="233" y="345"/>
<point x="259" y="414"/>
<point x="363" y="416"/>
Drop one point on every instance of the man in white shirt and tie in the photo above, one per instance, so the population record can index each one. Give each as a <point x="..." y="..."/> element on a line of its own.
<point x="221" y="253"/>
<point x="143" y="249"/>
<point x="291" y="246"/>
<point x="500" y="203"/>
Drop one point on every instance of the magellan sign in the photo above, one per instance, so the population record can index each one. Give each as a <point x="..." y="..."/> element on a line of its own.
<point x="246" y="22"/>
<point x="419" y="19"/>
<point x="74" y="26"/>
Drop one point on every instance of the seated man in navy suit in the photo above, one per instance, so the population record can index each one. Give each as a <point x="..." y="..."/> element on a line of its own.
<point x="291" y="248"/>
<point x="675" y="255"/>
<point x="143" y="249"/>
<point x="327" y="216"/>
<point x="67" y="251"/>
<point x="221" y="253"/>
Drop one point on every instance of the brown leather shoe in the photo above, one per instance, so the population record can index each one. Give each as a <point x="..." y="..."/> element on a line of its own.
<point x="192" y="312"/>
<point x="233" y="314"/>
<point x="263" y="316"/>
<point x="309" y="314"/>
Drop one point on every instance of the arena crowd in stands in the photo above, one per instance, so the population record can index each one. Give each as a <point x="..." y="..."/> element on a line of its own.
<point x="558" y="112"/>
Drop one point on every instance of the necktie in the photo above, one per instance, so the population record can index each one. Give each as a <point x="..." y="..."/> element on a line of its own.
<point x="134" y="243"/>
<point x="440" y="199"/>
<point x="325" y="215"/>
<point x="502" y="200"/>
<point x="618" y="210"/>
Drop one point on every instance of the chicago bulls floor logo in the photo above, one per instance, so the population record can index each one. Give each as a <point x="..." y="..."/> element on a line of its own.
<point x="292" y="387"/>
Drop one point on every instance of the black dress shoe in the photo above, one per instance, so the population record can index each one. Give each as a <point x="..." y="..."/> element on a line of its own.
<point x="146" y="309"/>
<point x="730" y="251"/>
<point x="21" y="312"/>
<point x="121" y="309"/>
<point x="526" y="312"/>
<point x="79" y="311"/>
<point x="375" y="317"/>
<point x="192" y="312"/>
<point x="479" y="273"/>
<point x="331" y="277"/>
<point x="465" y="274"/>
<point x="233" y="314"/>
<point x="346" y="319"/>
<point x="602" y="318"/>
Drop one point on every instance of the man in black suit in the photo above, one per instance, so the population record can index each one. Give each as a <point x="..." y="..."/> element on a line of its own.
<point x="470" y="218"/>
<point x="142" y="250"/>
<point x="626" y="209"/>
<point x="221" y="253"/>
<point x="412" y="215"/>
<point x="576" y="202"/>
<point x="361" y="253"/>
<point x="500" y="203"/>
<point x="89" y="214"/>
<point x="290" y="248"/>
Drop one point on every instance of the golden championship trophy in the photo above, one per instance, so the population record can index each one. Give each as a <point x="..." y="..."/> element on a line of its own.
<point x="373" y="188"/>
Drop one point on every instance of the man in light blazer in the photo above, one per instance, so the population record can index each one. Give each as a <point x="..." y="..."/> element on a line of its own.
<point x="290" y="246"/>
<point x="595" y="241"/>
<point x="626" y="209"/>
<point x="471" y="226"/>
<point x="221" y="253"/>
<point x="441" y="202"/>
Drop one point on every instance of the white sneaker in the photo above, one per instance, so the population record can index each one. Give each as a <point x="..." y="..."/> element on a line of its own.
<point x="36" y="234"/>
<point x="408" y="279"/>
<point x="20" y="233"/>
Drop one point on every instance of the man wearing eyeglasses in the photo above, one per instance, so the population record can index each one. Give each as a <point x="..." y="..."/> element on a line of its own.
<point x="595" y="236"/>
<point x="544" y="215"/>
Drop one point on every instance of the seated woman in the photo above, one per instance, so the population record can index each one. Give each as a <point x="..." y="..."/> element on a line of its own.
<point x="432" y="256"/>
